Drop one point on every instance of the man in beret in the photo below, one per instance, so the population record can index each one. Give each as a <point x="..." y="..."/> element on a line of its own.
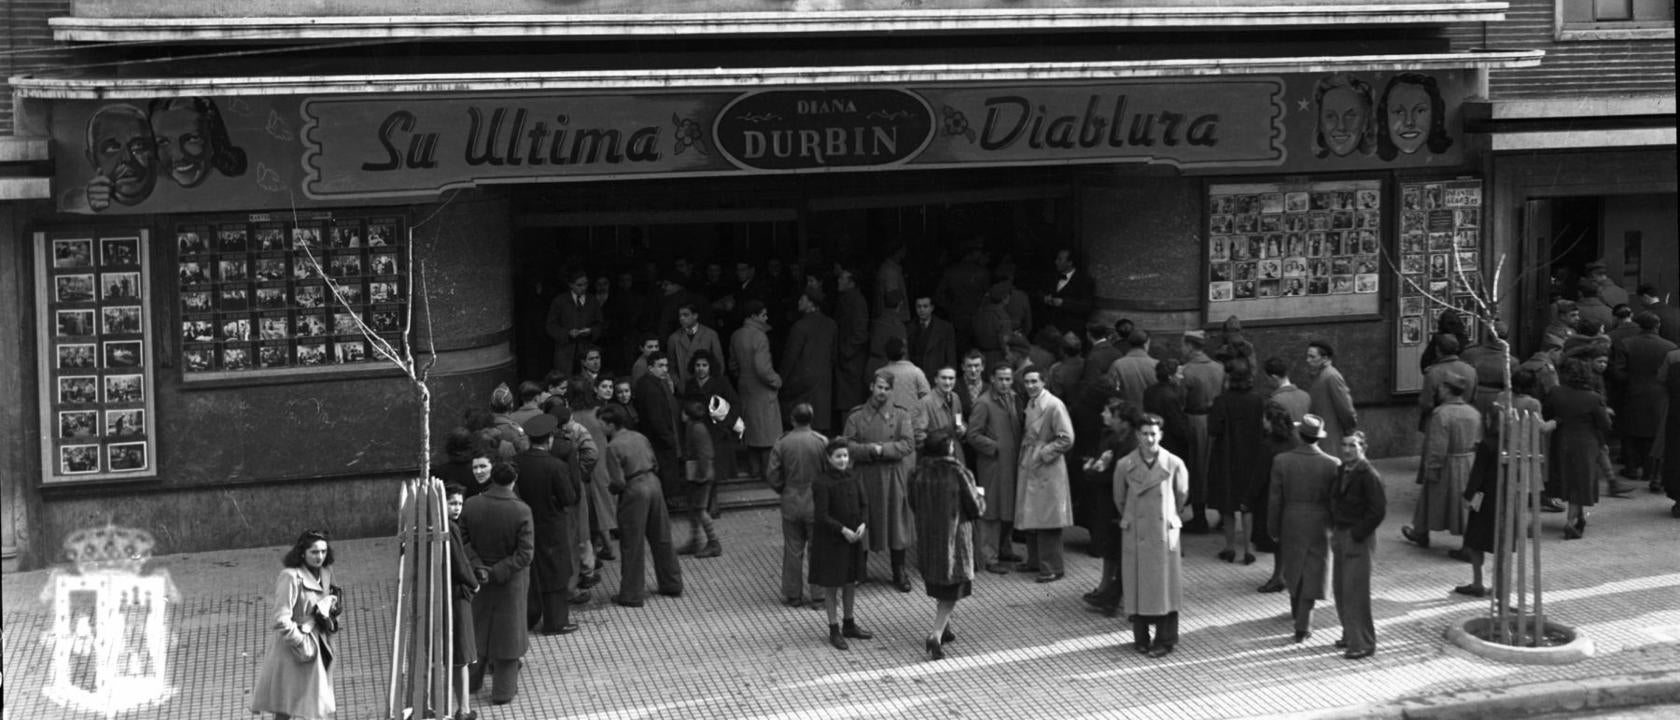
<point x="545" y="484"/>
<point x="1449" y="450"/>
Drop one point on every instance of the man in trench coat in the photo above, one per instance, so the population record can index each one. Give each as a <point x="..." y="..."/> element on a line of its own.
<point x="749" y="348"/>
<point x="879" y="437"/>
<point x="1151" y="491"/>
<point x="1298" y="514"/>
<point x="1331" y="399"/>
<point x="994" y="431"/>
<point x="498" y="526"/>
<point x="1043" y="499"/>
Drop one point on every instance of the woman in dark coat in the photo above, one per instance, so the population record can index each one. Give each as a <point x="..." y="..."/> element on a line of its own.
<point x="1166" y="399"/>
<point x="1236" y="426"/>
<point x="463" y="585"/>
<point x="706" y="381"/>
<point x="1280" y="438"/>
<point x="1485" y="488"/>
<point x="839" y="554"/>
<point x="1583" y="422"/>
<point x="946" y="502"/>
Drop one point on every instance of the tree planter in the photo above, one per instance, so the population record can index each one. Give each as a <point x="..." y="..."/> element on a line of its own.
<point x="1563" y="644"/>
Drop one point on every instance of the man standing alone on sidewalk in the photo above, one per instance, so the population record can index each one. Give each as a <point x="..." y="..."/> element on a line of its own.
<point x="795" y="462"/>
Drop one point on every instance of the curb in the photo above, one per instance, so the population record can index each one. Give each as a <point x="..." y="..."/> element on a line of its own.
<point x="1519" y="701"/>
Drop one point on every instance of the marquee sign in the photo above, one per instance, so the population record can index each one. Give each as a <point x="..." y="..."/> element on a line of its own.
<point x="210" y="154"/>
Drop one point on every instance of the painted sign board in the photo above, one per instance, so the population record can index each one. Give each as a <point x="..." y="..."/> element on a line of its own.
<point x="236" y="153"/>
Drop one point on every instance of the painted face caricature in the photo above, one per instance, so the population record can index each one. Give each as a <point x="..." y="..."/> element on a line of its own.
<point x="1413" y="117"/>
<point x="1344" y="117"/>
<point x="192" y="140"/>
<point x="120" y="148"/>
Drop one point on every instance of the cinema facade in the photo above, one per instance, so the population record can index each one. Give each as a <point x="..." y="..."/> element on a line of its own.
<point x="188" y="298"/>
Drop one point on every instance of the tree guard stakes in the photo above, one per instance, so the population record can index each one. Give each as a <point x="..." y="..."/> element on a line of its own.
<point x="1522" y="469"/>
<point x="421" y="649"/>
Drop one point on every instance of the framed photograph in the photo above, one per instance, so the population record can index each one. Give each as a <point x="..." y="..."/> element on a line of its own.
<point x="1365" y="283"/>
<point x="121" y="320"/>
<point x="311" y="354"/>
<point x="1219" y="291"/>
<point x="271" y="238"/>
<point x="198" y="330"/>
<point x="271" y="298"/>
<point x="195" y="273"/>
<point x="345" y="265"/>
<point x="200" y="358"/>
<point x="77" y="356"/>
<point x="119" y="287"/>
<point x="78" y="390"/>
<point x="1243" y="290"/>
<point x="306" y="237"/>
<point x="384" y="264"/>
<point x="309" y="325"/>
<point x="125" y="423"/>
<point x="236" y="357"/>
<point x="78" y="459"/>
<point x="271" y="269"/>
<point x="196" y="302"/>
<point x="1438" y="266"/>
<point x="125" y="388"/>
<point x="191" y="242"/>
<point x="274" y="327"/>
<point x="232" y="239"/>
<point x="1271" y="269"/>
<point x="74" y="323"/>
<point x="348" y="292"/>
<point x="345" y="234"/>
<point x="1411" y="306"/>
<point x="1411" y="285"/>
<point x="345" y="324"/>
<point x="308" y="296"/>
<point x="1411" y="331"/>
<point x="73" y="288"/>
<point x="235" y="299"/>
<point x="119" y="252"/>
<point x="1318" y="286"/>
<point x="273" y="355"/>
<point x="232" y="270"/>
<point x="1411" y="263"/>
<point x="1268" y="289"/>
<point x="349" y="352"/>
<point x="122" y="354"/>
<point x="73" y="253"/>
<point x="82" y="424"/>
<point x="380" y="235"/>
<point x="127" y="457"/>
<point x="236" y="329"/>
<point x="383" y="292"/>
<point x="1341" y="285"/>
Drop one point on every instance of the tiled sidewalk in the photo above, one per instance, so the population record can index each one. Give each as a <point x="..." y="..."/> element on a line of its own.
<point x="729" y="649"/>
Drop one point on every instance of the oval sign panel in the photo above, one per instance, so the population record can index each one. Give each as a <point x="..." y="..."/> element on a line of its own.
<point x="811" y="129"/>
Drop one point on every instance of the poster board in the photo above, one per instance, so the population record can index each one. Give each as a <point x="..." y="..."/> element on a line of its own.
<point x="1439" y="255"/>
<point x="1294" y="250"/>
<point x="93" y="339"/>
<point x="251" y="302"/>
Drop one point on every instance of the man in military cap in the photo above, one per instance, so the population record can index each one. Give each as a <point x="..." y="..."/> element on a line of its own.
<point x="879" y="437"/>
<point x="545" y="484"/>
<point x="1599" y="274"/>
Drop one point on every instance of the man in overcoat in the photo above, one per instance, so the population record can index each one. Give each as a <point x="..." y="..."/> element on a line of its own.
<point x="1133" y="372"/>
<point x="547" y="487"/>
<point x="1330" y="397"/>
<point x="796" y="460"/>
<point x="994" y="431"/>
<point x="851" y="318"/>
<point x="1447" y="363"/>
<point x="689" y="338"/>
<point x="1043" y="498"/>
<point x="1151" y="487"/>
<point x="644" y="524"/>
<point x="1634" y="363"/>
<point x="659" y="417"/>
<point x="498" y="526"/>
<point x="1449" y="451"/>
<point x="1298" y="516"/>
<point x="1668" y="316"/>
<point x="808" y="361"/>
<point x="1100" y="358"/>
<point x="879" y="439"/>
<point x="1204" y="380"/>
<point x="749" y="352"/>
<point x="574" y="319"/>
<point x="910" y="384"/>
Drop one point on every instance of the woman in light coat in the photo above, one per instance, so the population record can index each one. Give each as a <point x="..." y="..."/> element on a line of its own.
<point x="294" y="681"/>
<point x="1151" y="489"/>
<point x="1043" y="499"/>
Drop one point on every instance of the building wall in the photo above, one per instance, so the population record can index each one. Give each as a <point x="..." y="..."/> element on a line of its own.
<point x="27" y="43"/>
<point x="327" y="451"/>
<point x="1571" y="67"/>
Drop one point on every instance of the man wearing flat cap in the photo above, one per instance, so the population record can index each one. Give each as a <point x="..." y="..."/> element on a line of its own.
<point x="1612" y="294"/>
<point x="545" y="484"/>
<point x="1449" y="450"/>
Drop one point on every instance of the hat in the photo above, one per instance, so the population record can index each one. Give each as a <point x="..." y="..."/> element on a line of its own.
<point x="541" y="426"/>
<point x="1195" y="335"/>
<point x="1311" y="426"/>
<point x="998" y="292"/>
<point x="1564" y="307"/>
<point x="1596" y="265"/>
<point x="1457" y="382"/>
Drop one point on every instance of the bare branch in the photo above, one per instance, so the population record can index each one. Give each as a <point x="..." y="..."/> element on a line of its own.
<point x="431" y="342"/>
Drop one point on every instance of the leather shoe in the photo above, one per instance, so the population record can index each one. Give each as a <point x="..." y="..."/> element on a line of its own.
<point x="1010" y="558"/>
<point x="1160" y="651"/>
<point x="581" y="598"/>
<point x="793" y="602"/>
<point x="589" y="580"/>
<point x="1340" y="644"/>
<point x="1196" y="526"/>
<point x="1271" y="586"/>
<point x="947" y="636"/>
<point x="1459" y="554"/>
<point x="626" y="602"/>
<point x="1358" y="654"/>
<point x="998" y="568"/>
<point x="901" y="584"/>
<point x="1552" y="505"/>
<point x="1026" y="567"/>
<point x="1227" y="555"/>
<point x="935" y="650"/>
<point x="850" y="629"/>
<point x="1048" y="577"/>
<point x="1302" y="635"/>
<point x="566" y="629"/>
<point x="1475" y="591"/>
<point x="1421" y="539"/>
<point x="671" y="593"/>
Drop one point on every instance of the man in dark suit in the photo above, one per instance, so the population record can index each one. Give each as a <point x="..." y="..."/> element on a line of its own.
<point x="545" y="484"/>
<point x="808" y="362"/>
<point x="1634" y="364"/>
<point x="1070" y="297"/>
<point x="851" y="317"/>
<point x="498" y="526"/>
<point x="933" y="340"/>
<point x="1667" y="315"/>
<point x="660" y="417"/>
<point x="574" y="319"/>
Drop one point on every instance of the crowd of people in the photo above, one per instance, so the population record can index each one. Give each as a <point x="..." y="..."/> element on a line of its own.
<point x="923" y="424"/>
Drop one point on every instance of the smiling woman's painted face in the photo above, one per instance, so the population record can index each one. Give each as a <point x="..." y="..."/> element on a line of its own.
<point x="1410" y="115"/>
<point x="183" y="147"/>
<point x="1342" y="118"/>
